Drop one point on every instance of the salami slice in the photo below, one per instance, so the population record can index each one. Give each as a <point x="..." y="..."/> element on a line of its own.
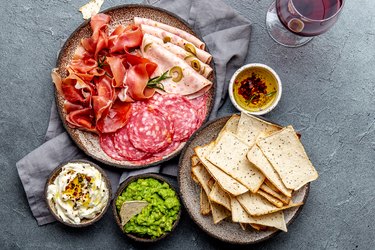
<point x="170" y="149"/>
<point x="181" y="112"/>
<point x="200" y="105"/>
<point x="108" y="146"/>
<point x="150" y="130"/>
<point x="126" y="149"/>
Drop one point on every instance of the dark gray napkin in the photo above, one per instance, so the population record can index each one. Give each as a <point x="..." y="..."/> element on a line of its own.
<point x="227" y="35"/>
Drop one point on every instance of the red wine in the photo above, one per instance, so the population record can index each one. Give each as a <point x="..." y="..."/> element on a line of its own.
<point x="308" y="17"/>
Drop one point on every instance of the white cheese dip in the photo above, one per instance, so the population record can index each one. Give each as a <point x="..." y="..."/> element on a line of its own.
<point x="78" y="192"/>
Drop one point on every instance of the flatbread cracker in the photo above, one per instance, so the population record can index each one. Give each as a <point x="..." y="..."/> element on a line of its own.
<point x="275" y="220"/>
<point x="229" y="154"/>
<point x="230" y="126"/>
<point x="229" y="184"/>
<point x="256" y="205"/>
<point x="256" y="157"/>
<point x="129" y="209"/>
<point x="205" y="203"/>
<point x="287" y="155"/>
<point x="250" y="128"/>
<point x="194" y="160"/>
<point x="219" y="212"/>
<point x="270" y="198"/>
<point x="202" y="176"/>
<point x="283" y="198"/>
<point x="91" y="8"/>
<point x="219" y="196"/>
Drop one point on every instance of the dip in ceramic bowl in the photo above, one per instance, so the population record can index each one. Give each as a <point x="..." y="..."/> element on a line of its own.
<point x="78" y="193"/>
<point x="255" y="89"/>
<point x="154" y="220"/>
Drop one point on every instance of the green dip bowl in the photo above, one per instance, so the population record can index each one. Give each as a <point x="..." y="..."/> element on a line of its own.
<point x="123" y="186"/>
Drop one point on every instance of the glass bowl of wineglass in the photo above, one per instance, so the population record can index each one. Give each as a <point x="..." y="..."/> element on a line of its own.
<point x="293" y="23"/>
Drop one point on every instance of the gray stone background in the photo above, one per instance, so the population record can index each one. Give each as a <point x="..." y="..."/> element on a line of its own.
<point x="328" y="95"/>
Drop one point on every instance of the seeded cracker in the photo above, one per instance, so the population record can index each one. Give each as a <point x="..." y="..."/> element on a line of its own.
<point x="275" y="220"/>
<point x="91" y="8"/>
<point x="204" y="202"/>
<point x="255" y="156"/>
<point x="284" y="199"/>
<point x="219" y="196"/>
<point x="250" y="128"/>
<point x="219" y="212"/>
<point x="256" y="205"/>
<point x="229" y="184"/>
<point x="287" y="155"/>
<point x="129" y="209"/>
<point x="229" y="154"/>
<point x="270" y="198"/>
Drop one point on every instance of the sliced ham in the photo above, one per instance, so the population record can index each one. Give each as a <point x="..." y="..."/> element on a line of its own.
<point x="202" y="68"/>
<point x="181" y="33"/>
<point x="191" y="81"/>
<point x="203" y="55"/>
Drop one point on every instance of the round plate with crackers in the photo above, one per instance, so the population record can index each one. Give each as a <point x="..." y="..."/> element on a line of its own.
<point x="243" y="179"/>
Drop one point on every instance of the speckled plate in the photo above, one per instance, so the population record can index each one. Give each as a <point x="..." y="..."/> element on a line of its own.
<point x="123" y="14"/>
<point x="189" y="190"/>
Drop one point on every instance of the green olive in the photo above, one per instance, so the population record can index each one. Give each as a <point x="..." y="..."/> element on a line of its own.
<point x="190" y="48"/>
<point x="195" y="64"/>
<point x="176" y="73"/>
<point x="167" y="39"/>
<point x="188" y="55"/>
<point x="147" y="46"/>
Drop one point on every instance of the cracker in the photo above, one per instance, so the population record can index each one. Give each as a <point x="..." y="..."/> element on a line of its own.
<point x="202" y="176"/>
<point x="219" y="196"/>
<point x="239" y="214"/>
<point x="229" y="154"/>
<point x="284" y="199"/>
<point x="129" y="209"/>
<point x="250" y="128"/>
<point x="219" y="212"/>
<point x="256" y="205"/>
<point x="91" y="8"/>
<point x="229" y="184"/>
<point x="194" y="160"/>
<point x="256" y="157"/>
<point x="287" y="155"/>
<point x="230" y="126"/>
<point x="270" y="198"/>
<point x="204" y="203"/>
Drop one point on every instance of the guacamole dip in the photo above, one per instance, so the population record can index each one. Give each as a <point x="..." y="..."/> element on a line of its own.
<point x="159" y="215"/>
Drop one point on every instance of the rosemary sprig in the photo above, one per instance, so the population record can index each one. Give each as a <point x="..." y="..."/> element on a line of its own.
<point x="155" y="82"/>
<point x="270" y="94"/>
<point x="248" y="101"/>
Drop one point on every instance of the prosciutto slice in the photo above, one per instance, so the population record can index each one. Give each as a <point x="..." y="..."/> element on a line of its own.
<point x="99" y="39"/>
<point x="138" y="75"/>
<point x="203" y="55"/>
<point x="82" y="119"/>
<point x="191" y="82"/>
<point x="181" y="33"/>
<point x="123" y="38"/>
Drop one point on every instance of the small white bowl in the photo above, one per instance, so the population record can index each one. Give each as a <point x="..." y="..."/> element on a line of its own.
<point x="267" y="70"/>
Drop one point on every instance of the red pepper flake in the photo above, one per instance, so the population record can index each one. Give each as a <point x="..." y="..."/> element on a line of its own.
<point x="251" y="88"/>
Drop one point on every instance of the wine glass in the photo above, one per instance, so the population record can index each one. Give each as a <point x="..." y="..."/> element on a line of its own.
<point x="293" y="23"/>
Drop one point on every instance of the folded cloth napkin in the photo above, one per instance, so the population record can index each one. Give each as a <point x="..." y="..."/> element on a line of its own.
<point x="227" y="35"/>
